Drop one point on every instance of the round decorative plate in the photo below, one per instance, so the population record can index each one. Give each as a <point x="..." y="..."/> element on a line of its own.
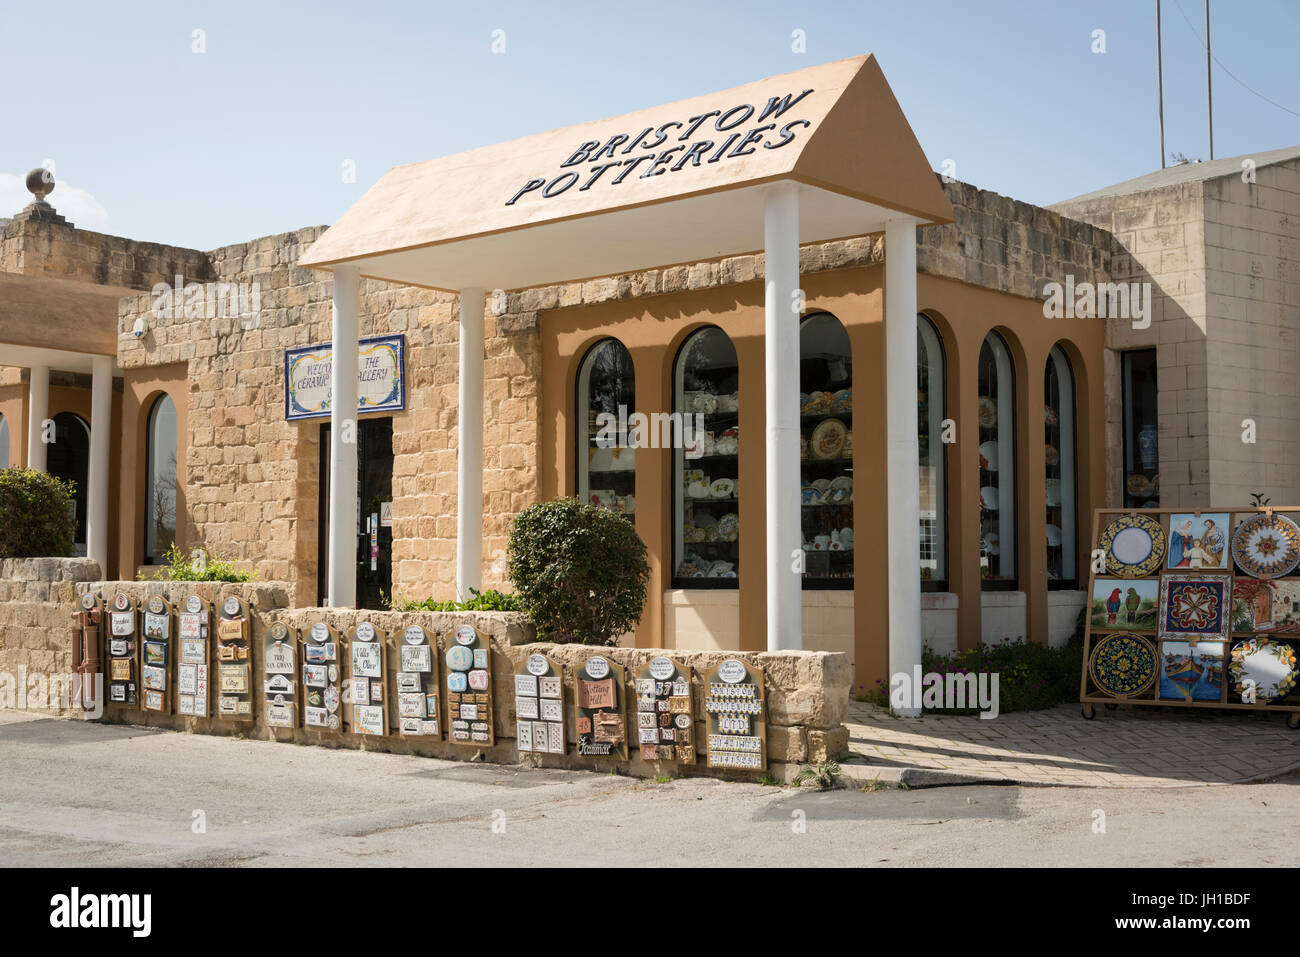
<point x="1269" y="663"/>
<point x="828" y="439"/>
<point x="1134" y="546"/>
<point x="1123" y="665"/>
<point x="988" y="412"/>
<point x="1267" y="546"/>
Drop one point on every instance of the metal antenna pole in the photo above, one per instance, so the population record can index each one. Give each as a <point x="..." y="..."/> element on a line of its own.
<point x="1160" y="85"/>
<point x="1209" y="81"/>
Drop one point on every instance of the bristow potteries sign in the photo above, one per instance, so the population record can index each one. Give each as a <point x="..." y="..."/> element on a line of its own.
<point x="726" y="137"/>
<point x="381" y="378"/>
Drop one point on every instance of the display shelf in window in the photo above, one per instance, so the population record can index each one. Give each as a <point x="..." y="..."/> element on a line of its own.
<point x="826" y="452"/>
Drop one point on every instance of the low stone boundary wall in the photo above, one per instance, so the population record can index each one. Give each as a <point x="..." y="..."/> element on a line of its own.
<point x="807" y="692"/>
<point x="37" y="598"/>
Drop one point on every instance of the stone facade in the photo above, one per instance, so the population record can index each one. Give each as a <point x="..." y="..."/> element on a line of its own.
<point x="252" y="479"/>
<point x="1223" y="257"/>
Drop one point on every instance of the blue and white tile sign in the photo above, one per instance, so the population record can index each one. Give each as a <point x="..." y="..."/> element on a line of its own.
<point x="381" y="378"/>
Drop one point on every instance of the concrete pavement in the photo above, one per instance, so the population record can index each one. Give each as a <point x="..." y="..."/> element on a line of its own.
<point x="82" y="794"/>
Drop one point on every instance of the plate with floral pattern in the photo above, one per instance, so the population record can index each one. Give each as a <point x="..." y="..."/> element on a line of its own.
<point x="1134" y="546"/>
<point x="1267" y="546"/>
<point x="1269" y="663"/>
<point x="1123" y="665"/>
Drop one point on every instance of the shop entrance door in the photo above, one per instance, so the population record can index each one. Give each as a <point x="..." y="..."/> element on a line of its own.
<point x="374" y="513"/>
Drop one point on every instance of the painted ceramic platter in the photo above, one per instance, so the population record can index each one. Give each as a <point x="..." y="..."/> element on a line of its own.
<point x="828" y="439"/>
<point x="1134" y="546"/>
<point x="1267" y="546"/>
<point x="729" y="527"/>
<point x="989" y="456"/>
<point x="1123" y="665"/>
<point x="988" y="412"/>
<point x="1269" y="663"/>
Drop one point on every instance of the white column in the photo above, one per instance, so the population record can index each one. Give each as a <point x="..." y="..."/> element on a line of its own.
<point x="38" y="410"/>
<point x="101" y="426"/>
<point x="902" y="454"/>
<point x="781" y="365"/>
<point x="469" y="457"/>
<point x="343" y="439"/>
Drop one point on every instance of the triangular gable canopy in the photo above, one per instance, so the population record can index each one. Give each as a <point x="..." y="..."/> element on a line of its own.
<point x="672" y="184"/>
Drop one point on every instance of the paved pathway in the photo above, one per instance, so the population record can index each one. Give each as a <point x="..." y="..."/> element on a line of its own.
<point x="1130" y="747"/>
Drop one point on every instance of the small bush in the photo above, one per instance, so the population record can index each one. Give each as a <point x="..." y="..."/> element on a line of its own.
<point x="1031" y="676"/>
<point x="37" y="515"/>
<point x="490" y="600"/>
<point x="208" y="568"/>
<point x="580" y="570"/>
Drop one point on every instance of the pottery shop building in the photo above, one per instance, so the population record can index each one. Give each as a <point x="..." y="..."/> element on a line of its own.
<point x="818" y="380"/>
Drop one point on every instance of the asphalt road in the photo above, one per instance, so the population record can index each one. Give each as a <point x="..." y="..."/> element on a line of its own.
<point x="74" y="793"/>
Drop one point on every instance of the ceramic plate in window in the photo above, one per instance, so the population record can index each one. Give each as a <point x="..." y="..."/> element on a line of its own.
<point x="1267" y="546"/>
<point x="1123" y="665"/>
<point x="828" y="439"/>
<point x="1134" y="546"/>
<point x="988" y="412"/>
<point x="1269" y="663"/>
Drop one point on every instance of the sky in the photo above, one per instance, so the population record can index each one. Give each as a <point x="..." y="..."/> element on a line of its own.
<point x="252" y="125"/>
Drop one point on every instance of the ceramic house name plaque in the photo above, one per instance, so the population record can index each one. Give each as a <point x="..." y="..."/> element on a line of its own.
<point x="469" y="688"/>
<point x="368" y="710"/>
<point x="321" y="690"/>
<point x="665" y="720"/>
<point x="600" y="708"/>
<point x="121" y="646"/>
<point x="539" y="705"/>
<point x="735" y="706"/>
<point x="192" y="657"/>
<point x="234" y="661"/>
<point x="278" y="669"/>
<point x="417" y="685"/>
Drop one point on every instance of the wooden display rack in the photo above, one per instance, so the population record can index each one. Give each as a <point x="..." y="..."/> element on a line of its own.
<point x="234" y="661"/>
<point x="1090" y="695"/>
<point x="156" y="628"/>
<point x="123" y="689"/>
<point x="363" y="635"/>
<point x="421" y="682"/>
<point x="279" y="676"/>
<point x="462" y="697"/>
<point x="539" y="692"/>
<point x="321" y="650"/>
<point x="193" y="656"/>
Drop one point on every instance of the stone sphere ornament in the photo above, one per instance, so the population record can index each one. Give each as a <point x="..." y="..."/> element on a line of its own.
<point x="40" y="183"/>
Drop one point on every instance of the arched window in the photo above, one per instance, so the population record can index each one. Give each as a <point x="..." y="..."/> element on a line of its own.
<point x="4" y="443"/>
<point x="931" y="408"/>
<point x="826" y="451"/>
<point x="706" y="406"/>
<point x="606" y="453"/>
<point x="160" y="476"/>
<point x="1061" y="482"/>
<point x="997" y="464"/>
<point x="68" y="457"/>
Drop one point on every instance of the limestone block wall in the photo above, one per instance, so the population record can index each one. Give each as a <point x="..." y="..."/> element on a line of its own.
<point x="1161" y="240"/>
<point x="60" y="250"/>
<point x="37" y="599"/>
<point x="1252" y="304"/>
<point x="252" y="480"/>
<point x="807" y="692"/>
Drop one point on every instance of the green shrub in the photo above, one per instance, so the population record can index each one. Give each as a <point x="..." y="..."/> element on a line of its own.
<point x="36" y="517"/>
<point x="490" y="600"/>
<point x="1031" y="676"/>
<point x="204" y="568"/>
<point x="580" y="570"/>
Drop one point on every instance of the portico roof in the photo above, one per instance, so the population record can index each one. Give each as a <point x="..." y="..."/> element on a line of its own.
<point x="62" y="323"/>
<point x="667" y="185"/>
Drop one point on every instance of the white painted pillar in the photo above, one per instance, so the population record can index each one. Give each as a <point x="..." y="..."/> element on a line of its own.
<point x="343" y="439"/>
<point x="902" y="455"/>
<point x="469" y="456"/>
<point x="781" y="366"/>
<point x="101" y="429"/>
<point x="38" y="410"/>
